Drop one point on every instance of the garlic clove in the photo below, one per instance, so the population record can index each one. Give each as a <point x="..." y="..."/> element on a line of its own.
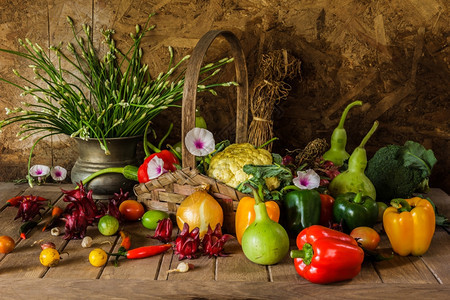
<point x="86" y="242"/>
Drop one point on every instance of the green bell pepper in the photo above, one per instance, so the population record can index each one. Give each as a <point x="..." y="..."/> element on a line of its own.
<point x="300" y="209"/>
<point x="355" y="210"/>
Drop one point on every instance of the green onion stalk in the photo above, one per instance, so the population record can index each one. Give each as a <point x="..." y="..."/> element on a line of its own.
<point x="97" y="97"/>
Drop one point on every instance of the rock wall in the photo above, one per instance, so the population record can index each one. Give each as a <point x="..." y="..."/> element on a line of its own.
<point x="393" y="55"/>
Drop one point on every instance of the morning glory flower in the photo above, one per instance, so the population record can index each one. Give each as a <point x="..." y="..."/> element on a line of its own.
<point x="200" y="142"/>
<point x="39" y="171"/>
<point x="155" y="168"/>
<point x="58" y="173"/>
<point x="307" y="180"/>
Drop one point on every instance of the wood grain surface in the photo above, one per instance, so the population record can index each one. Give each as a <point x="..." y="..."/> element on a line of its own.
<point x="233" y="276"/>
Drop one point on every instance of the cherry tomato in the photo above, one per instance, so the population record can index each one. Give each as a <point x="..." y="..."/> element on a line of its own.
<point x="49" y="257"/>
<point x="7" y="244"/>
<point x="132" y="210"/>
<point x="108" y="225"/>
<point x="98" y="257"/>
<point x="367" y="237"/>
<point x="150" y="218"/>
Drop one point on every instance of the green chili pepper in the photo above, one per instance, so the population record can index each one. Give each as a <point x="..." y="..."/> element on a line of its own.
<point x="355" y="210"/>
<point x="300" y="209"/>
<point x="337" y="153"/>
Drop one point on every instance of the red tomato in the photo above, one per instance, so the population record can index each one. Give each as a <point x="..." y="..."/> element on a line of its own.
<point x="132" y="210"/>
<point x="7" y="244"/>
<point x="367" y="237"/>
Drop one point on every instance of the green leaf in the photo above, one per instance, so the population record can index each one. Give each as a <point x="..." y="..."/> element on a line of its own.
<point x="277" y="158"/>
<point x="260" y="173"/>
<point x="414" y="155"/>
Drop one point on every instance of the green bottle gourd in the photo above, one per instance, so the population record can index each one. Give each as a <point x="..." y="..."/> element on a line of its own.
<point x="337" y="153"/>
<point x="353" y="179"/>
<point x="264" y="242"/>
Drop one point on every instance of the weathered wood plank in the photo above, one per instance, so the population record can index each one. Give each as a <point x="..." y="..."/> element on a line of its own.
<point x="76" y="264"/>
<point x="9" y="190"/>
<point x="403" y="269"/>
<point x="237" y="267"/>
<point x="437" y="257"/>
<point x="23" y="262"/>
<point x="145" y="289"/>
<point x="135" y="268"/>
<point x="285" y="270"/>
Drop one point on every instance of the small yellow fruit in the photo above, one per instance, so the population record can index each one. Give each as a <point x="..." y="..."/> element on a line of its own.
<point x="49" y="257"/>
<point x="98" y="257"/>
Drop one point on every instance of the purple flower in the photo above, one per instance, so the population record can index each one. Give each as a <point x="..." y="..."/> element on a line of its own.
<point x="307" y="180"/>
<point x="200" y="142"/>
<point x="58" y="173"/>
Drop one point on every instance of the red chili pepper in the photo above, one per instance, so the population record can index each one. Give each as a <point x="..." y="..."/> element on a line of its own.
<point x="27" y="226"/>
<point x="326" y="255"/>
<point x="169" y="159"/>
<point x="326" y="211"/>
<point x="143" y="252"/>
<point x="14" y="201"/>
<point x="56" y="212"/>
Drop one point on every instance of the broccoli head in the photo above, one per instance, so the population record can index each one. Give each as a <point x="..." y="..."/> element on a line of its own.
<point x="399" y="171"/>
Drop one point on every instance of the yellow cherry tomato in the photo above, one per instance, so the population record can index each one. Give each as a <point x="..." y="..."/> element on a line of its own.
<point x="98" y="257"/>
<point x="49" y="257"/>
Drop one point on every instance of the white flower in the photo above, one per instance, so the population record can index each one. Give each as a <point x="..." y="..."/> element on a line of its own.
<point x="58" y="173"/>
<point x="39" y="171"/>
<point x="307" y="180"/>
<point x="155" y="168"/>
<point x="199" y="142"/>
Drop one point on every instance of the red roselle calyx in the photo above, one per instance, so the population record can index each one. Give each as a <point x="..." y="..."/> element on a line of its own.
<point x="29" y="207"/>
<point x="80" y="213"/>
<point x="163" y="231"/>
<point x="214" y="241"/>
<point x="187" y="243"/>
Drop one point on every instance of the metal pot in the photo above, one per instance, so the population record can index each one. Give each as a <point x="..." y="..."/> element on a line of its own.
<point x="92" y="159"/>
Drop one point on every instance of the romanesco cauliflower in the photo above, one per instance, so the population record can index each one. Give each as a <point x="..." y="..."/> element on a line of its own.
<point x="227" y="166"/>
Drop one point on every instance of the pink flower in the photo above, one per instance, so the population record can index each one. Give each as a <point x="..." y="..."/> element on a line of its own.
<point x="307" y="180"/>
<point x="58" y="173"/>
<point x="155" y="168"/>
<point x="200" y="142"/>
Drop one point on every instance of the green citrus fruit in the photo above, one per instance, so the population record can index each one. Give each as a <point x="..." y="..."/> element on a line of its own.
<point x="150" y="218"/>
<point x="108" y="225"/>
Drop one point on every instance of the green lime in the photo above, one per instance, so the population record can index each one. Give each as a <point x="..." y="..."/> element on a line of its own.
<point x="108" y="225"/>
<point x="150" y="218"/>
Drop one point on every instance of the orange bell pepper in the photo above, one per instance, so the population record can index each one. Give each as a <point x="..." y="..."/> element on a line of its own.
<point x="409" y="225"/>
<point x="245" y="214"/>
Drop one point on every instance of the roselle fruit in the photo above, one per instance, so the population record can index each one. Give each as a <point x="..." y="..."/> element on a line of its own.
<point x="29" y="207"/>
<point x="187" y="243"/>
<point x="214" y="241"/>
<point x="163" y="231"/>
<point x="80" y="213"/>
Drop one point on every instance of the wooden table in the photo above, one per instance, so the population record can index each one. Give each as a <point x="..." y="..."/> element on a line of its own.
<point x="22" y="276"/>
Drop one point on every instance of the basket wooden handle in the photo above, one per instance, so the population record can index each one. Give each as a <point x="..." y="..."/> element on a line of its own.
<point x="190" y="89"/>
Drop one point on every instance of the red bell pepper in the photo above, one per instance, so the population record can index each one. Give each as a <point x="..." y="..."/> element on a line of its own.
<point x="169" y="159"/>
<point x="326" y="255"/>
<point x="326" y="210"/>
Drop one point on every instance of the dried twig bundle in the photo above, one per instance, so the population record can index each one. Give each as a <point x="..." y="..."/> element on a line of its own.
<point x="268" y="89"/>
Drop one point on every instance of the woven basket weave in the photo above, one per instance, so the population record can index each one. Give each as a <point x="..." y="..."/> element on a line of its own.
<point x="168" y="191"/>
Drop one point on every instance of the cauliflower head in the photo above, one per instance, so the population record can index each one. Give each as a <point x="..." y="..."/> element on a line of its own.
<point x="227" y="166"/>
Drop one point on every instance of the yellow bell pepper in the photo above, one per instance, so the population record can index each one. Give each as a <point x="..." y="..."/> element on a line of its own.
<point x="409" y="225"/>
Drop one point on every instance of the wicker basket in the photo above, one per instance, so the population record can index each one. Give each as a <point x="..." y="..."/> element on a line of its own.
<point x="169" y="190"/>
